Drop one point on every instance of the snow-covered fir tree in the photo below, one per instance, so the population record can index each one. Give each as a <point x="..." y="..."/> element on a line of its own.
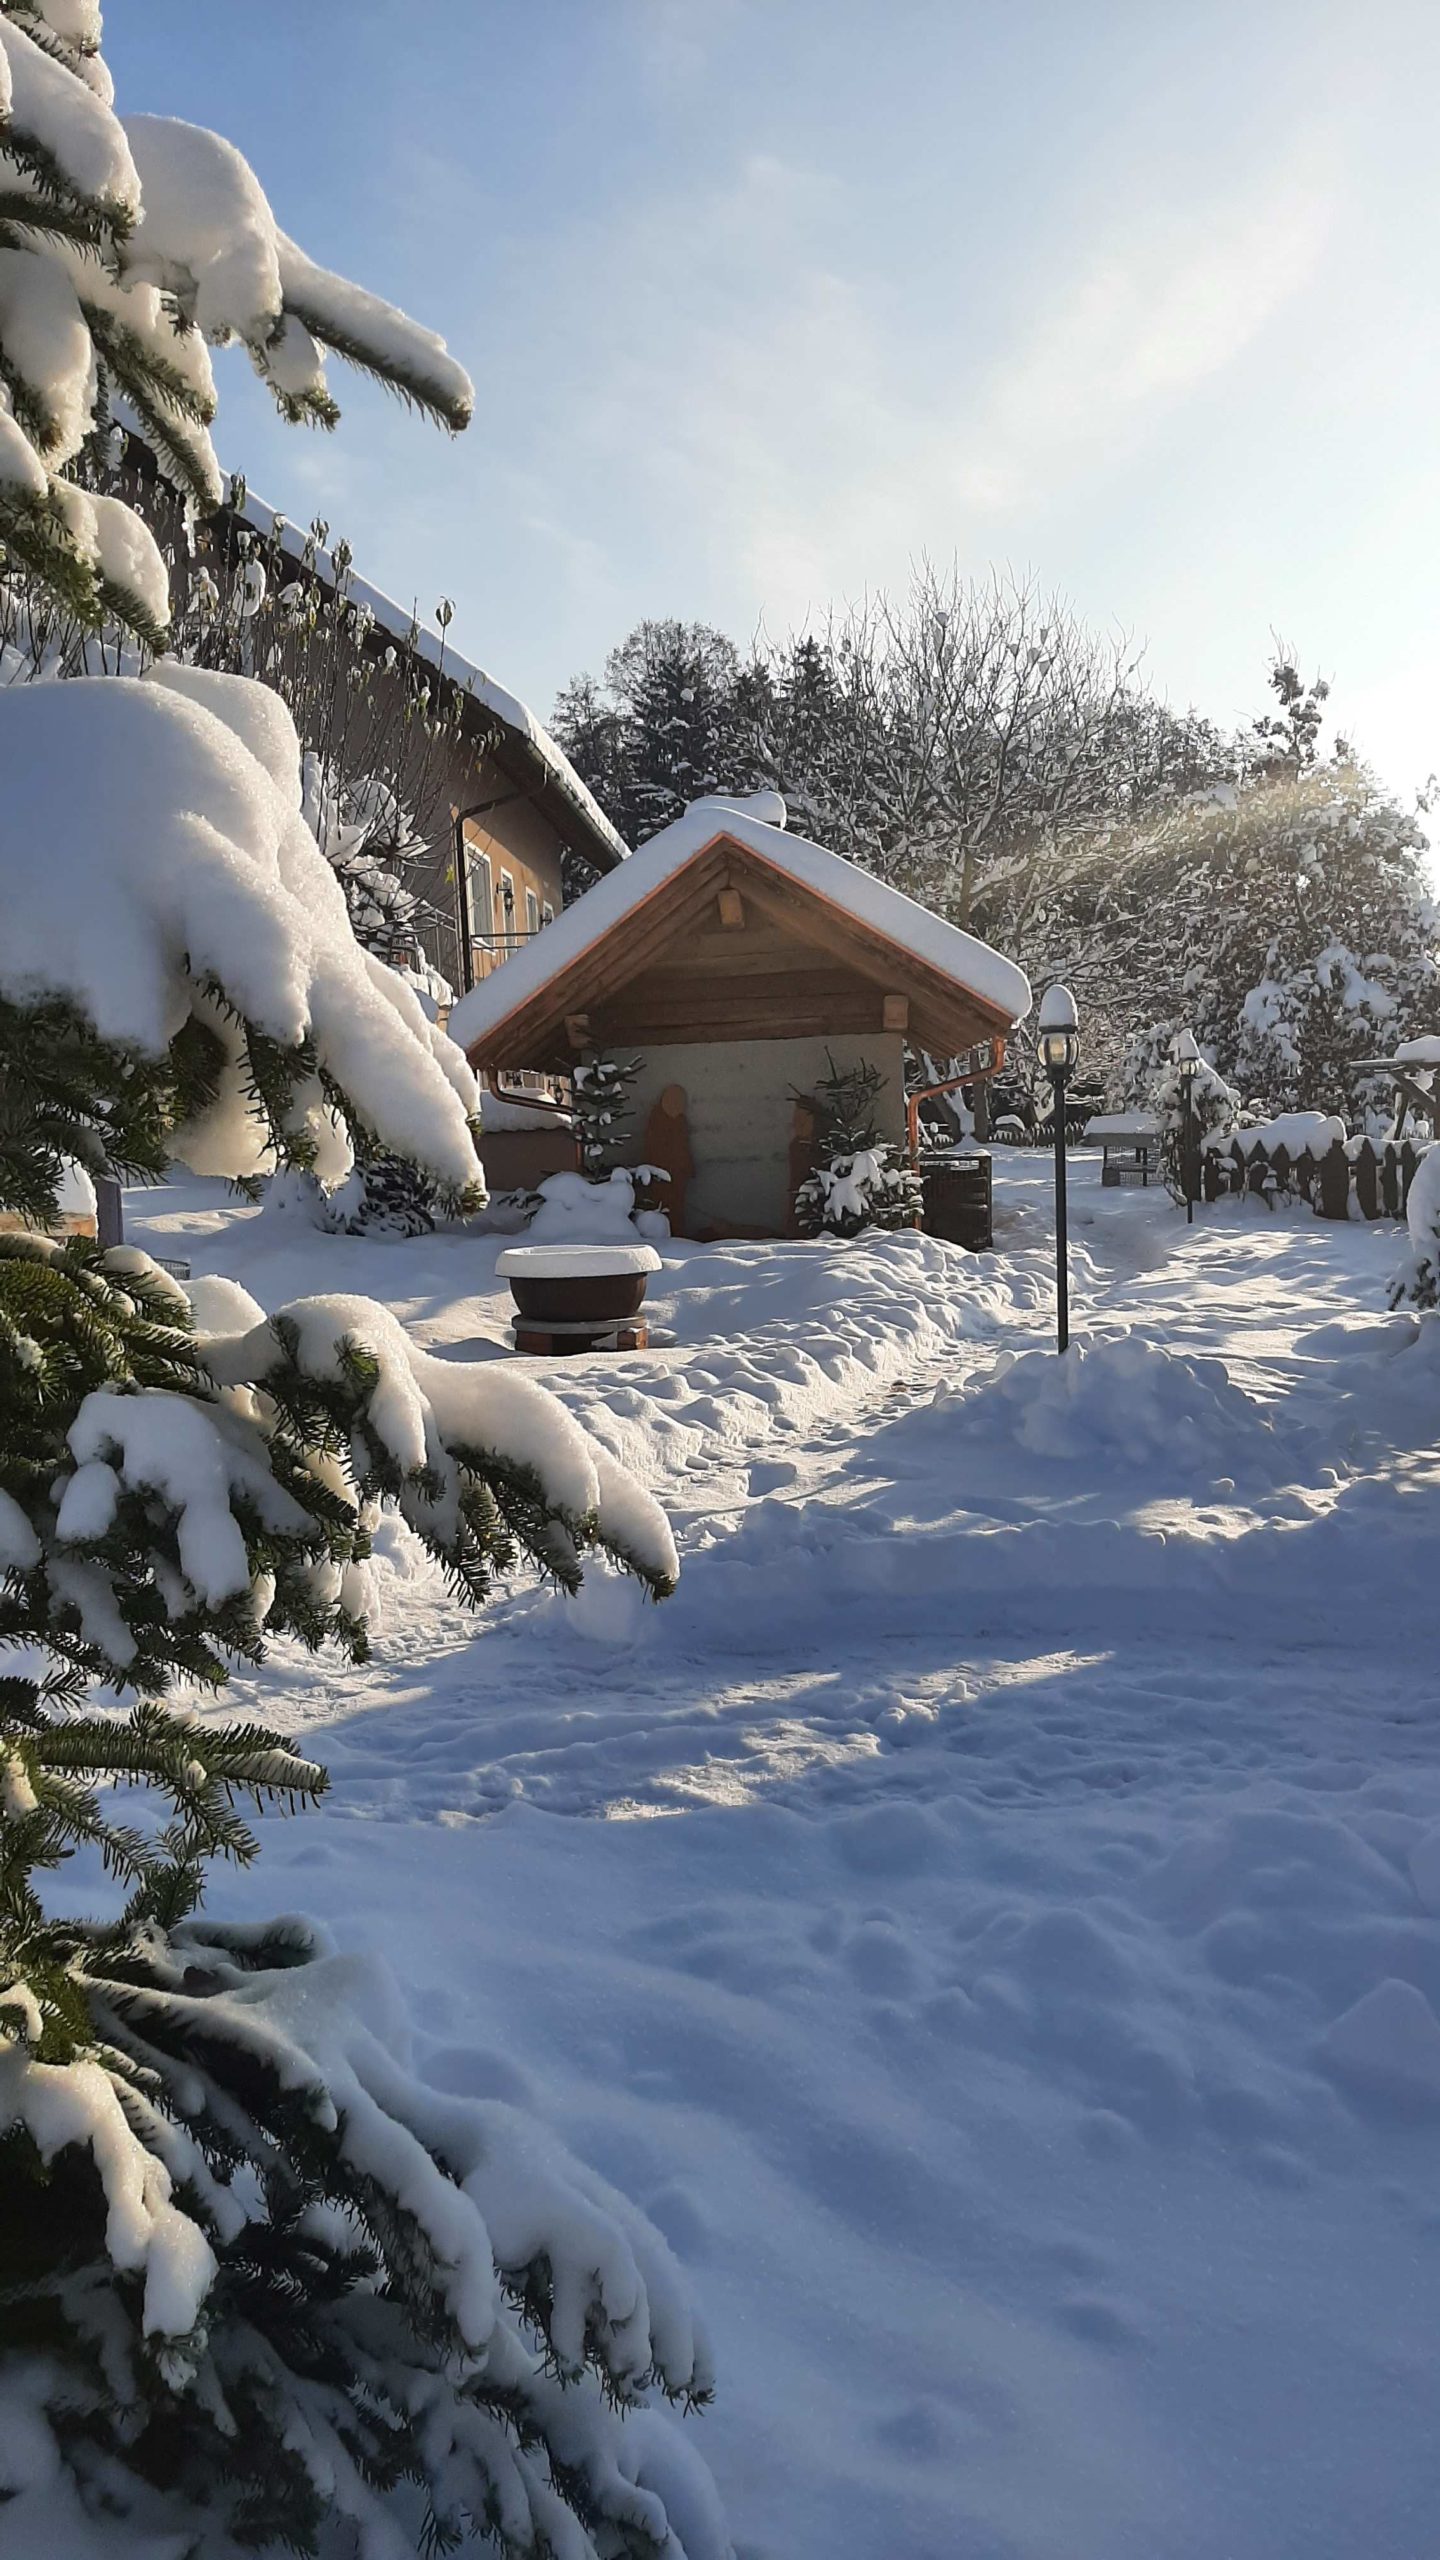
<point x="860" y="1179"/>
<point x="663" y="730"/>
<point x="1304" y="932"/>
<point x="603" y="1111"/>
<point x="256" y="2283"/>
<point x="1190" y="1101"/>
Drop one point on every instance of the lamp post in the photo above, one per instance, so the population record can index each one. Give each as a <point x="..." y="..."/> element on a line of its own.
<point x="1059" y="1043"/>
<point x="1186" y="1054"/>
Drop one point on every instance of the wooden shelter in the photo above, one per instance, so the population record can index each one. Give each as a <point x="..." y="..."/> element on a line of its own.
<point x="735" y="958"/>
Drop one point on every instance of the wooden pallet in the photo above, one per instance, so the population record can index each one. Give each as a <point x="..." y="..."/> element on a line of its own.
<point x="542" y="1342"/>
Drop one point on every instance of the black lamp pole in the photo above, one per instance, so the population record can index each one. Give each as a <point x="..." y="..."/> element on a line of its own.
<point x="1192" y="1170"/>
<point x="1058" y="1077"/>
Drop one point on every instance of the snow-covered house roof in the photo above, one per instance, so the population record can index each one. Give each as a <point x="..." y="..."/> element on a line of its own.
<point x="578" y="813"/>
<point x="653" y="923"/>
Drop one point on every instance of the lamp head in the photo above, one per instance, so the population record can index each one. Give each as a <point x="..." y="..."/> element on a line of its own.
<point x="1058" y="1032"/>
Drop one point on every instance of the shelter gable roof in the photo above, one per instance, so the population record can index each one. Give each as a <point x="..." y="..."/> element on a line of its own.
<point x="622" y="925"/>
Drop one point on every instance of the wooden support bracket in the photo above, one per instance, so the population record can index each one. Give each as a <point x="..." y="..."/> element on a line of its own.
<point x="732" y="910"/>
<point x="896" y="1016"/>
<point x="577" y="1030"/>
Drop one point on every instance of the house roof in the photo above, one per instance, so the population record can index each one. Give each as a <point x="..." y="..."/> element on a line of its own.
<point x="514" y="1014"/>
<point x="524" y="749"/>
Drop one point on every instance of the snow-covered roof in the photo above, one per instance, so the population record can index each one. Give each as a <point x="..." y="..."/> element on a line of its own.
<point x="438" y="651"/>
<point x="958" y="956"/>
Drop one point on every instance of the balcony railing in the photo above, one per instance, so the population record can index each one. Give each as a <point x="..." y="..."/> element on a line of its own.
<point x="489" y="949"/>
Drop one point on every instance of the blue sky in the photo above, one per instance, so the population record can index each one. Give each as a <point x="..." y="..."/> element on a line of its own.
<point x="763" y="298"/>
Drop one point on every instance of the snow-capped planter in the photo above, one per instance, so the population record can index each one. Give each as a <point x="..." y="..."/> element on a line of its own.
<point x="578" y="1297"/>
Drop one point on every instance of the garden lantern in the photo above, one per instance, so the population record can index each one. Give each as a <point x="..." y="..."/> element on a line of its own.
<point x="1184" y="1049"/>
<point x="1059" y="1044"/>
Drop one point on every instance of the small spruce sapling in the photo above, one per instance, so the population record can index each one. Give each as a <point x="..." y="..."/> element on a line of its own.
<point x="860" y="1179"/>
<point x="604" y="1111"/>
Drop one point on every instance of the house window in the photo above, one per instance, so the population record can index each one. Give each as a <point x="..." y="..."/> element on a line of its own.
<point x="547" y="913"/>
<point x="482" y="896"/>
<point x="532" y="912"/>
<point x="507" y="906"/>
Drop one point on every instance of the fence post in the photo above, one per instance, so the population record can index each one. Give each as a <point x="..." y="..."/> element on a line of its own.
<point x="1367" y="1188"/>
<point x="1335" y="1182"/>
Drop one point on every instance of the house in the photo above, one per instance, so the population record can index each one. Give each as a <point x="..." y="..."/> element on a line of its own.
<point x="735" y="958"/>
<point x="513" y="806"/>
<point x="499" y="809"/>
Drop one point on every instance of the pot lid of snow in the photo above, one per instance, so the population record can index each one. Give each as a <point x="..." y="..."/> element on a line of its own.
<point x="574" y="1261"/>
<point x="1057" y="1010"/>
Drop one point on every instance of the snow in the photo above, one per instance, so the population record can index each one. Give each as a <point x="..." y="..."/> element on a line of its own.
<point x="44" y="103"/>
<point x="966" y="1919"/>
<point x="1422" y="1209"/>
<point x="1123" y="1124"/>
<point x="870" y="901"/>
<point x="346" y="316"/>
<point x="48" y="346"/>
<point x="156" y="847"/>
<point x="145" y="2232"/>
<point x="574" y="1262"/>
<point x="183" y="1451"/>
<point x="576" y="1211"/>
<point x="207" y="234"/>
<point x="1424" y="1052"/>
<point x="75" y="1197"/>
<point x="1057" y="1010"/>
<point x="1293" y="1130"/>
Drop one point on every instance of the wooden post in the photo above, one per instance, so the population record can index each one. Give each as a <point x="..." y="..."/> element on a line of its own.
<point x="1335" y="1182"/>
<point x="1367" y="1187"/>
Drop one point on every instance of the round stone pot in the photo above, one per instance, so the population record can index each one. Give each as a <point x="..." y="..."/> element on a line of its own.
<point x="571" y="1297"/>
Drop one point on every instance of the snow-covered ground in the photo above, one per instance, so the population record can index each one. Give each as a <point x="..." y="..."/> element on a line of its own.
<point x="991" y="1917"/>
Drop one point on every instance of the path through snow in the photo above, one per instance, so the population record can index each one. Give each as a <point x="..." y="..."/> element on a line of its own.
<point x="991" y="1918"/>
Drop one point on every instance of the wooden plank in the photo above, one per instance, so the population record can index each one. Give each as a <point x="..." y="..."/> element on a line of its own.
<point x="732" y="910"/>
<point x="577" y="1030"/>
<point x="895" y="1014"/>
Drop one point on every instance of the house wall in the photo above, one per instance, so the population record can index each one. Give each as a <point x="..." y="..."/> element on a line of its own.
<point x="518" y="842"/>
<point x="740" y="1105"/>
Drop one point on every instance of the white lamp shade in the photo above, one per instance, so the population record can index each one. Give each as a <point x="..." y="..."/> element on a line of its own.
<point x="1059" y="1031"/>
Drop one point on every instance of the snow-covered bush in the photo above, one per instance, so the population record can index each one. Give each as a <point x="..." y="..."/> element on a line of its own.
<point x="860" y="1179"/>
<point x="254" y="2281"/>
<point x="1417" y="1281"/>
<point x="574" y="1210"/>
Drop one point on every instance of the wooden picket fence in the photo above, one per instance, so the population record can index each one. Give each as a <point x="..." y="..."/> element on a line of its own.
<point x="1354" y="1177"/>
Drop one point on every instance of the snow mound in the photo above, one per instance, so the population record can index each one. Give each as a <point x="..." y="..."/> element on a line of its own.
<point x="1127" y="1401"/>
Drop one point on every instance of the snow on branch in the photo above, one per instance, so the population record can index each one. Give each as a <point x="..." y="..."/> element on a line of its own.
<point x="156" y="830"/>
<point x="127" y="247"/>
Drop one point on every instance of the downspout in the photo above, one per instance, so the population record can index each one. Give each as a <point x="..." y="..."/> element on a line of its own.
<point x="952" y="1084"/>
<point x="459" y="822"/>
